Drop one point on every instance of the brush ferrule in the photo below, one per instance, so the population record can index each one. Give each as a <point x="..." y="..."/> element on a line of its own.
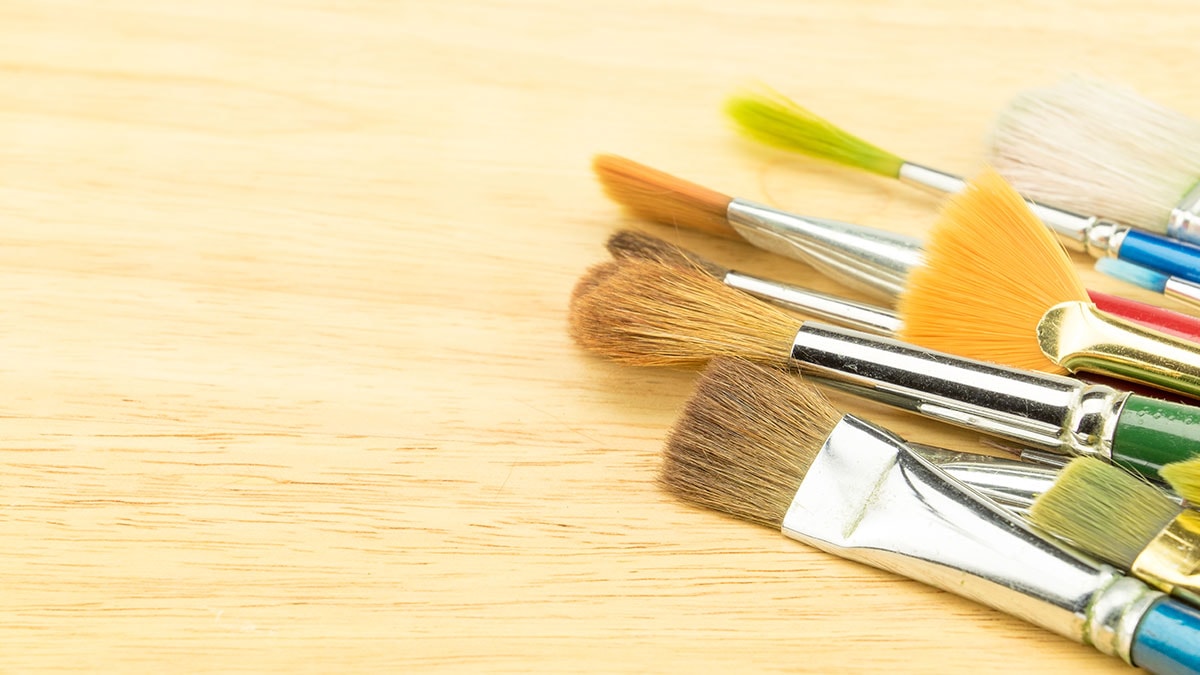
<point x="930" y="180"/>
<point x="1182" y="290"/>
<point x="1080" y="337"/>
<point x="868" y="497"/>
<point x="1104" y="238"/>
<point x="1033" y="409"/>
<point x="1184" y="222"/>
<point x="870" y="260"/>
<point x="1171" y="561"/>
<point x="857" y="315"/>
<point x="1010" y="483"/>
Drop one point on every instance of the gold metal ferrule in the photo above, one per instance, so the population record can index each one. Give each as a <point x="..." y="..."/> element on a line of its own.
<point x="1078" y="336"/>
<point x="1171" y="561"/>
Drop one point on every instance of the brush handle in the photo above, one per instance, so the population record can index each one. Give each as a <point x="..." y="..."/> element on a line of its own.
<point x="1171" y="257"/>
<point x="1165" y="320"/>
<point x="1151" y="434"/>
<point x="1167" y="641"/>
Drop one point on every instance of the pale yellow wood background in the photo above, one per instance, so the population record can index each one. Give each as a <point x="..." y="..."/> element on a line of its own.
<point x="282" y="317"/>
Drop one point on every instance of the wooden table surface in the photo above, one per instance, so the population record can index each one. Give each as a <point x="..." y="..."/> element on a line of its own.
<point x="284" y="338"/>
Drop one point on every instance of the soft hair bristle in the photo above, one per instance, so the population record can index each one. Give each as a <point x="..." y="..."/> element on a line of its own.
<point x="1098" y="149"/>
<point x="1184" y="478"/>
<point x="647" y="313"/>
<point x="630" y="244"/>
<point x="663" y="198"/>
<point x="595" y="275"/>
<point x="1103" y="510"/>
<point x="745" y="441"/>
<point x="991" y="271"/>
<point x="776" y="120"/>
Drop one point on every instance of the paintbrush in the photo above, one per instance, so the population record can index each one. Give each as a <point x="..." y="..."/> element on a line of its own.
<point x="1184" y="478"/>
<point x="646" y="313"/>
<point x="997" y="286"/>
<point x="760" y="446"/>
<point x="1126" y="522"/>
<point x="1173" y="287"/>
<point x="874" y="261"/>
<point x="1098" y="147"/>
<point x="778" y="121"/>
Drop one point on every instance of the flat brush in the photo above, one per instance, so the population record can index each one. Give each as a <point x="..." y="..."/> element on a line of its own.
<point x="760" y="446"/>
<point x="874" y="261"/>
<point x="645" y="313"/>
<point x="997" y="286"/>
<point x="778" y="121"/>
<point x="1126" y="522"/>
<point x="1173" y="287"/>
<point x="1092" y="146"/>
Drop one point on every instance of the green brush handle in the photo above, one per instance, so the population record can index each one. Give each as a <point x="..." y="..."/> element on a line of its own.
<point x="1151" y="433"/>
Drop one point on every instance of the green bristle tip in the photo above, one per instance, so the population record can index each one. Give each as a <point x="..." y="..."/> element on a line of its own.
<point x="780" y="122"/>
<point x="1184" y="478"/>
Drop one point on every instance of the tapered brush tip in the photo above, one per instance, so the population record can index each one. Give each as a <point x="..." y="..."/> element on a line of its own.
<point x="778" y="121"/>
<point x="630" y="244"/>
<point x="1103" y="510"/>
<point x="1184" y="478"/>
<point x="658" y="196"/>
<point x="992" y="270"/>
<point x="645" y="313"/>
<point x="745" y="441"/>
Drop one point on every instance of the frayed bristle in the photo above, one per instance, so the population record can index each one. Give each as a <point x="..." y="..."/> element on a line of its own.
<point x="780" y="122"/>
<point x="650" y="314"/>
<point x="1103" y="510"/>
<point x="663" y="198"/>
<point x="1098" y="149"/>
<point x="991" y="271"/>
<point x="1184" y="478"/>
<point x="630" y="244"/>
<point x="745" y="441"/>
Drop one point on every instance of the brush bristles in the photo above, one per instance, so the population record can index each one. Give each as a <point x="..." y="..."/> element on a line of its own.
<point x="1103" y="510"/>
<point x="630" y="244"/>
<point x="1099" y="149"/>
<point x="991" y="271"/>
<point x="663" y="198"/>
<point x="1184" y="478"/>
<point x="780" y="122"/>
<point x="646" y="313"/>
<point x="745" y="441"/>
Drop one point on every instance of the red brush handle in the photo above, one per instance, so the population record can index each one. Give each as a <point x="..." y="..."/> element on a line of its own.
<point x="1165" y="320"/>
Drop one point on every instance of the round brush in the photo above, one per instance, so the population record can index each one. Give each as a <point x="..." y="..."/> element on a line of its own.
<point x="1103" y="148"/>
<point x="765" y="448"/>
<point x="1126" y="522"/>
<point x="871" y="260"/>
<point x="646" y="313"/>
<point x="778" y="121"/>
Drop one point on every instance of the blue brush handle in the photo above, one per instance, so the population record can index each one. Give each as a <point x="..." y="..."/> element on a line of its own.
<point x="1168" y="256"/>
<point x="1167" y="641"/>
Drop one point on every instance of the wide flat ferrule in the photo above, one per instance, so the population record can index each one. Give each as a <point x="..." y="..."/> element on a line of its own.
<point x="1171" y="561"/>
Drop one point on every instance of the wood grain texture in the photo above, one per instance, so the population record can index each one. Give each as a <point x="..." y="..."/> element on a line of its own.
<point x="284" y="284"/>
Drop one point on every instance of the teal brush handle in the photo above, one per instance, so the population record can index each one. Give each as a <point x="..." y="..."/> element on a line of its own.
<point x="1167" y="641"/>
<point x="1151" y="433"/>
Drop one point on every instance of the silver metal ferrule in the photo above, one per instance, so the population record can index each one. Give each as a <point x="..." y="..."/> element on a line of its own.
<point x="1075" y="231"/>
<point x="1044" y="411"/>
<point x="1184" y="221"/>
<point x="871" y="260"/>
<point x="1182" y="290"/>
<point x="869" y="498"/>
<point x="858" y="315"/>
<point x="1010" y="483"/>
